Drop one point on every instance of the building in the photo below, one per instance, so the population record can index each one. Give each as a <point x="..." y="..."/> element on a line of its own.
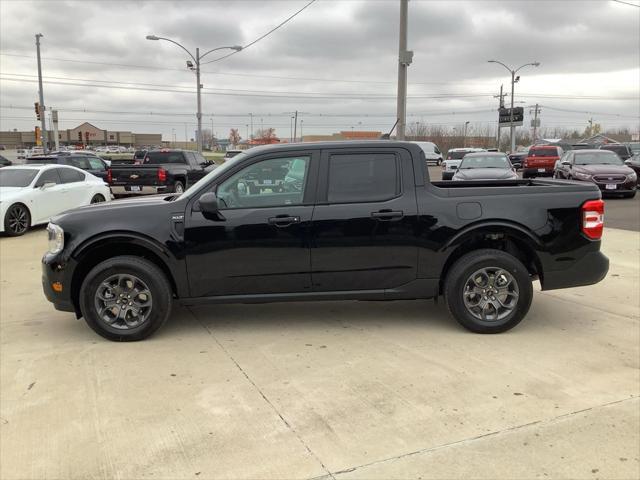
<point x="343" y="135"/>
<point x="85" y="134"/>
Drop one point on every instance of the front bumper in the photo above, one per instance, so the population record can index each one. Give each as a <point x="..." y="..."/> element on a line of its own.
<point x="624" y="187"/>
<point x="590" y="269"/>
<point x="145" y="190"/>
<point x="537" y="172"/>
<point x="55" y="272"/>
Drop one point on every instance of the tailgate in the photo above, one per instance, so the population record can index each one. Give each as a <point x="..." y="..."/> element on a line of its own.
<point x="541" y="162"/>
<point x="138" y="175"/>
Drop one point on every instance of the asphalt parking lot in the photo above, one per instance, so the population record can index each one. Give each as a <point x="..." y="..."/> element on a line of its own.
<point x="324" y="390"/>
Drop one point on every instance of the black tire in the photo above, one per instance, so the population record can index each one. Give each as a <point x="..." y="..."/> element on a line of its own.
<point x="461" y="273"/>
<point x="97" y="198"/>
<point x="17" y="220"/>
<point x="151" y="276"/>
<point x="178" y="187"/>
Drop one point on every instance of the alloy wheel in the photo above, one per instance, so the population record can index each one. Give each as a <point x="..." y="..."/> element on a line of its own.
<point x="18" y="219"/>
<point x="490" y="294"/>
<point x="123" y="301"/>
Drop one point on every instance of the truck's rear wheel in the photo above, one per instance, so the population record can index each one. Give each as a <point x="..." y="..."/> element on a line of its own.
<point x="125" y="298"/>
<point x="178" y="187"/>
<point x="488" y="291"/>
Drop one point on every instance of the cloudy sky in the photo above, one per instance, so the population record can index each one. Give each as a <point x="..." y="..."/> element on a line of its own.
<point x="336" y="62"/>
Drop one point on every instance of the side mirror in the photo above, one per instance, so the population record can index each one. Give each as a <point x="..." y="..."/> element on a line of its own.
<point x="628" y="162"/>
<point x="209" y="207"/>
<point x="46" y="185"/>
<point x="566" y="164"/>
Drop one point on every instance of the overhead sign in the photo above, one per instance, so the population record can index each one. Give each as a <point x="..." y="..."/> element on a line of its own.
<point x="504" y="118"/>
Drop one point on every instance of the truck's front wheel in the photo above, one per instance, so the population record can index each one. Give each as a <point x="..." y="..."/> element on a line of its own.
<point x="125" y="298"/>
<point x="488" y="291"/>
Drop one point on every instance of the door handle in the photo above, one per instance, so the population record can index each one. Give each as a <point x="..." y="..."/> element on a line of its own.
<point x="387" y="214"/>
<point x="283" y="220"/>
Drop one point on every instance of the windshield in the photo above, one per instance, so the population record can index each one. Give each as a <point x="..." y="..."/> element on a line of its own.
<point x="598" y="158"/>
<point x="616" y="148"/>
<point x="457" y="155"/>
<point x="211" y="175"/>
<point x="21" y="177"/>
<point x="543" y="152"/>
<point x="485" y="161"/>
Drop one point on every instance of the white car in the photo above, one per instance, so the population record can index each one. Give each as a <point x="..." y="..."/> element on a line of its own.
<point x="32" y="194"/>
<point x="431" y="152"/>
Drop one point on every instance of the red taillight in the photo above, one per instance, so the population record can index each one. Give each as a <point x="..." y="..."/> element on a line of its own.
<point x="162" y="175"/>
<point x="109" y="176"/>
<point x="593" y="219"/>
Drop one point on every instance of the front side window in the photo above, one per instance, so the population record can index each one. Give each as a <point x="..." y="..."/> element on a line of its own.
<point x="269" y="183"/>
<point x="362" y="178"/>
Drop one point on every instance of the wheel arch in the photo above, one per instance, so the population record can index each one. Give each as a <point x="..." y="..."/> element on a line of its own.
<point x="508" y="237"/>
<point x="100" y="248"/>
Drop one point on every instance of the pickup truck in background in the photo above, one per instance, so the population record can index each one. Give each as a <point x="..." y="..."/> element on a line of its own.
<point x="541" y="161"/>
<point x="161" y="171"/>
<point x="337" y="221"/>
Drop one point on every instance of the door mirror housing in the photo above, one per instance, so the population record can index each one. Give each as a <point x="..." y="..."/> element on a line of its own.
<point x="209" y="207"/>
<point x="47" y="185"/>
<point x="628" y="162"/>
<point x="566" y="164"/>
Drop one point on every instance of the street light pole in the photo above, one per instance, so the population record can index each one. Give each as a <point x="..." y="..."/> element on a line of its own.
<point x="513" y="82"/>
<point x="43" y="129"/>
<point x="197" y="59"/>
<point x="404" y="60"/>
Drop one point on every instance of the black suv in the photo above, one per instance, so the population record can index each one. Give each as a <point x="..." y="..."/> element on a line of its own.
<point x="89" y="163"/>
<point x="623" y="151"/>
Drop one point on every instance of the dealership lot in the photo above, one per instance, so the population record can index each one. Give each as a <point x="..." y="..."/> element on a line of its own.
<point x="315" y="390"/>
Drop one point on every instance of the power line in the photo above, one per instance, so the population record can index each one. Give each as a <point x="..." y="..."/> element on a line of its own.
<point x="263" y="36"/>
<point x="627" y="3"/>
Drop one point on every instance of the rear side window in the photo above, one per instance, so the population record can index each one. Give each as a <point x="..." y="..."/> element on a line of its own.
<point x="457" y="155"/>
<point x="49" y="176"/>
<point x="79" y="162"/>
<point x="68" y="175"/>
<point x="157" y="158"/>
<point x="96" y="164"/>
<point x="362" y="178"/>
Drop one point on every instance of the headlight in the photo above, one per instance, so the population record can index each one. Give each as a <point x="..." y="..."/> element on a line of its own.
<point x="632" y="177"/>
<point x="56" y="238"/>
<point x="582" y="176"/>
<point x="444" y="165"/>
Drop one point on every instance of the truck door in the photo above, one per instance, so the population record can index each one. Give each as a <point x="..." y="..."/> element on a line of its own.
<point x="261" y="245"/>
<point x="364" y="227"/>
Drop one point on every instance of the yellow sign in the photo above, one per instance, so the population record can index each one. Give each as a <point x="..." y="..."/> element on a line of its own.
<point x="38" y="137"/>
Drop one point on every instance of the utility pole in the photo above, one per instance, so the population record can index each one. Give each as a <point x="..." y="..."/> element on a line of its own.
<point x="535" y="122"/>
<point x="295" y="126"/>
<point x="591" y="127"/>
<point x="43" y="129"/>
<point x="251" y="122"/>
<point x="301" y="124"/>
<point x="500" y="106"/>
<point x="54" y="119"/>
<point x="464" y="138"/>
<point x="404" y="60"/>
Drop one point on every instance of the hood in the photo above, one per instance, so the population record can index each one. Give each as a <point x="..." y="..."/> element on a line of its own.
<point x="603" y="169"/>
<point x="7" y="193"/>
<point x="120" y="208"/>
<point x="485" y="174"/>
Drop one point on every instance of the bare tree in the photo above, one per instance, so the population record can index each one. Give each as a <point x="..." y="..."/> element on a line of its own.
<point x="234" y="136"/>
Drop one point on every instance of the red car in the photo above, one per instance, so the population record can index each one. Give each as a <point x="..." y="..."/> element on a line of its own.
<point x="541" y="161"/>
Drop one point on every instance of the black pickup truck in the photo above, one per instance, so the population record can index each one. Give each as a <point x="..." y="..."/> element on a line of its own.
<point x="161" y="171"/>
<point x="346" y="220"/>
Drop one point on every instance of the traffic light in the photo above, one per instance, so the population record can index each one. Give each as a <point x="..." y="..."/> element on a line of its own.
<point x="36" y="106"/>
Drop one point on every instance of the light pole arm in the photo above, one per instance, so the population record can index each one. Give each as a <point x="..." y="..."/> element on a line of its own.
<point x="534" y="64"/>
<point x="237" y="49"/>
<point x="183" y="48"/>
<point x="500" y="63"/>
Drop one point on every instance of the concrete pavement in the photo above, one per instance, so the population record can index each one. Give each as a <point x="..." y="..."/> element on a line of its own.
<point x="321" y="390"/>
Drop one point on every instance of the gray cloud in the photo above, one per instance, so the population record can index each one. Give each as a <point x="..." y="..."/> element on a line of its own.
<point x="330" y="40"/>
